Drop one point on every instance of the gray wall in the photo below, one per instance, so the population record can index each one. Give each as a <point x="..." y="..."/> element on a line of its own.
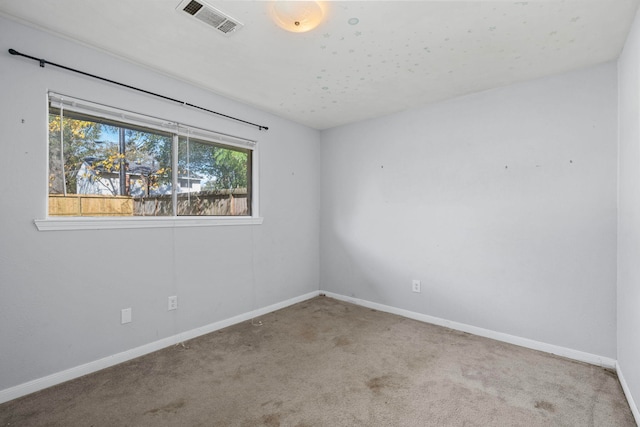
<point x="503" y="203"/>
<point x="629" y="213"/>
<point x="62" y="292"/>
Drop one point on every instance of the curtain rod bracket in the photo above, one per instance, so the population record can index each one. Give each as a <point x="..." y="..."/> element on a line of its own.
<point x="184" y="103"/>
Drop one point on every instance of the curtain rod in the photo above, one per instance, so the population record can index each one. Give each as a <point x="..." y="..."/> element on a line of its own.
<point x="43" y="62"/>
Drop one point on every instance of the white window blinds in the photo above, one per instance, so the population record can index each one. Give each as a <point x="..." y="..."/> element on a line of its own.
<point x="65" y="102"/>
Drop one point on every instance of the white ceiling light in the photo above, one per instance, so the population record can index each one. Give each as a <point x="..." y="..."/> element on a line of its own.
<point x="297" y="16"/>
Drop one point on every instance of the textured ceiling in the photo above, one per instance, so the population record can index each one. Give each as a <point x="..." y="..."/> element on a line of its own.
<point x="367" y="59"/>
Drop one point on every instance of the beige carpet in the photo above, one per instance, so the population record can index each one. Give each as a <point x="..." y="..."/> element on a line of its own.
<point x="328" y="363"/>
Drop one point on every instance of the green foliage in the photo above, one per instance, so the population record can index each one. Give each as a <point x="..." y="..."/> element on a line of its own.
<point x="76" y="136"/>
<point x="220" y="168"/>
<point x="232" y="169"/>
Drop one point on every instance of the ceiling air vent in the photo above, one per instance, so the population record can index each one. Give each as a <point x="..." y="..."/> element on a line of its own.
<point x="210" y="16"/>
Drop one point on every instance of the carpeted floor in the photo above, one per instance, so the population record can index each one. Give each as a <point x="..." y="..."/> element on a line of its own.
<point x="327" y="363"/>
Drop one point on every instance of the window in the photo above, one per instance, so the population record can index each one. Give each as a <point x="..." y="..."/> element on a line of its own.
<point x="213" y="179"/>
<point x="105" y="162"/>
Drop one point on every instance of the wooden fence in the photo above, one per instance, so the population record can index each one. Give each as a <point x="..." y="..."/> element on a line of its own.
<point x="89" y="205"/>
<point x="223" y="203"/>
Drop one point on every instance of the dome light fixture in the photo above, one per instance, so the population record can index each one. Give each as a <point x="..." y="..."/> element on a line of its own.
<point x="297" y="16"/>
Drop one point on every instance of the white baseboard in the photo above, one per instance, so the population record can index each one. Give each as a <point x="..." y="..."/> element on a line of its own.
<point x="627" y="393"/>
<point x="593" y="359"/>
<point x="78" y="371"/>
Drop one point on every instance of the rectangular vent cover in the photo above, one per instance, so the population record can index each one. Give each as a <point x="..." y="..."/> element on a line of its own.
<point x="210" y="16"/>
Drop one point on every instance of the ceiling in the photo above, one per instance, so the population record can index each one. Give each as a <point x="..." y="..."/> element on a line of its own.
<point x="367" y="59"/>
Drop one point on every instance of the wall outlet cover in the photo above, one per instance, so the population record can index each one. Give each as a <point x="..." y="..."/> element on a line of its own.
<point x="125" y="315"/>
<point x="415" y="285"/>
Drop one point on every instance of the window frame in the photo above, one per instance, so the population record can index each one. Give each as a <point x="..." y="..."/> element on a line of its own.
<point x="53" y="223"/>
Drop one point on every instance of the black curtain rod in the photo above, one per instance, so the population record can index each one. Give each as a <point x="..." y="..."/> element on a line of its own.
<point x="43" y="62"/>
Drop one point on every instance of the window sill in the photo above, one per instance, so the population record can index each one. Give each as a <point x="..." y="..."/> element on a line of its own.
<point x="96" y="223"/>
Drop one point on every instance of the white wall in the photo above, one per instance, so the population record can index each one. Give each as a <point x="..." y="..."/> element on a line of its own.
<point x="59" y="307"/>
<point x="629" y="216"/>
<point x="503" y="203"/>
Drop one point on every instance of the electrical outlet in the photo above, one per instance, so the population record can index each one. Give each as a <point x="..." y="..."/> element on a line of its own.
<point x="173" y="302"/>
<point x="415" y="285"/>
<point x="125" y="315"/>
